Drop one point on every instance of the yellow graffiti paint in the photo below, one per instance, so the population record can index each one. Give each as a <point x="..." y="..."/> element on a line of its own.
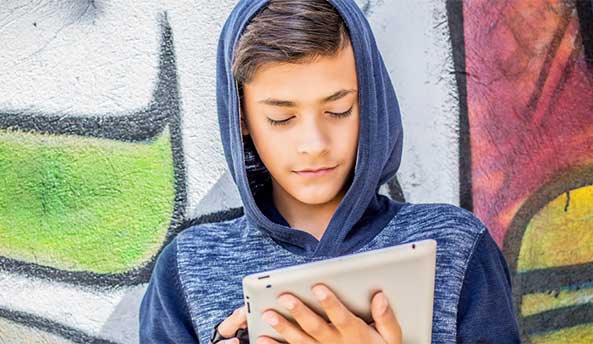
<point x="582" y="334"/>
<point x="540" y="302"/>
<point x="560" y="234"/>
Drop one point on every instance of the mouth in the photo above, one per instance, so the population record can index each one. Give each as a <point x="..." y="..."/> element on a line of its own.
<point x="316" y="171"/>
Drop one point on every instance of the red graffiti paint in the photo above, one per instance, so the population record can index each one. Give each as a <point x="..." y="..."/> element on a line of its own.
<point x="529" y="100"/>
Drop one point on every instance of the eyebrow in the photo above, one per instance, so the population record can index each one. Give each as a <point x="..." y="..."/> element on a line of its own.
<point x="287" y="103"/>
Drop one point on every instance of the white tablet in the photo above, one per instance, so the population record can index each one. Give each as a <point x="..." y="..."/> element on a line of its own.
<point x="405" y="273"/>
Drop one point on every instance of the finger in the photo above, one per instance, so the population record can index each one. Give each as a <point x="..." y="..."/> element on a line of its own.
<point x="310" y="322"/>
<point x="338" y="314"/>
<point x="230" y="341"/>
<point x="266" y="340"/>
<point x="289" y="331"/>
<point x="385" y="319"/>
<point x="235" y="321"/>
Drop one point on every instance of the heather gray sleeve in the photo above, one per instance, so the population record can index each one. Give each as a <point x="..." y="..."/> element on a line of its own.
<point x="164" y="314"/>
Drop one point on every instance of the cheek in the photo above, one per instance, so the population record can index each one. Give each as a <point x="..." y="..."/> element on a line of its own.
<point x="271" y="148"/>
<point x="348" y="137"/>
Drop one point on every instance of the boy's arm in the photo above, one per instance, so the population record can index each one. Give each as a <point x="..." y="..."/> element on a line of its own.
<point x="485" y="311"/>
<point x="164" y="314"/>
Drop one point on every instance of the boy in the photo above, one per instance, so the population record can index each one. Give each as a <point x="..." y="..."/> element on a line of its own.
<point x="311" y="129"/>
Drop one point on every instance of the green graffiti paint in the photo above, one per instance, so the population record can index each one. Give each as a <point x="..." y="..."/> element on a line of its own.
<point x="84" y="204"/>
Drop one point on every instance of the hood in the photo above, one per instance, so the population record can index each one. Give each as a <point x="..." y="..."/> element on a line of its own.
<point x="363" y="212"/>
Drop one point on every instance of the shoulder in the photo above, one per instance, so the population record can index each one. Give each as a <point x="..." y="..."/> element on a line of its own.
<point x="165" y="295"/>
<point x="442" y="219"/>
<point x="208" y="242"/>
<point x="486" y="294"/>
<point x="213" y="232"/>
<point x="457" y="231"/>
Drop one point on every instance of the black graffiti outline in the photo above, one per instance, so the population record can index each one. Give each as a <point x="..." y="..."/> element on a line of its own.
<point x="146" y="124"/>
<point x="71" y="333"/>
<point x="525" y="283"/>
<point x="164" y="110"/>
<point x="108" y="128"/>
<point x="585" y="14"/>
<point x="395" y="190"/>
<point x="455" y="20"/>
<point x="51" y="327"/>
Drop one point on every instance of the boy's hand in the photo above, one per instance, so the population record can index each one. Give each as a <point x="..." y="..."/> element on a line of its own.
<point x="229" y="326"/>
<point x="344" y="327"/>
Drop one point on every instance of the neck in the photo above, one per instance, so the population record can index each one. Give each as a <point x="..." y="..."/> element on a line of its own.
<point x="311" y="218"/>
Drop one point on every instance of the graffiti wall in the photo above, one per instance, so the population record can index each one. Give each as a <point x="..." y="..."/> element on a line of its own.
<point x="96" y="147"/>
<point x="109" y="146"/>
<point x="527" y="119"/>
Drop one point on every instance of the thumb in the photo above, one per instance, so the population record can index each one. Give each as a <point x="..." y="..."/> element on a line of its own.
<point x="385" y="320"/>
<point x="234" y="322"/>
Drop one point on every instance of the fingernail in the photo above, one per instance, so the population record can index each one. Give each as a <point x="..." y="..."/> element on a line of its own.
<point x="320" y="293"/>
<point x="286" y="302"/>
<point x="270" y="318"/>
<point x="382" y="303"/>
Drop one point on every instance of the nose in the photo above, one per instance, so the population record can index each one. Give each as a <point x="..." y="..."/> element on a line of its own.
<point x="313" y="137"/>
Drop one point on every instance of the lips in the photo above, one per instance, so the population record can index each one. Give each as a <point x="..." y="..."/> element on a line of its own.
<point x="316" y="171"/>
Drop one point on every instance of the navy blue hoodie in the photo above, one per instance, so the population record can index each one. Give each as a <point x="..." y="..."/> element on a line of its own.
<point x="197" y="278"/>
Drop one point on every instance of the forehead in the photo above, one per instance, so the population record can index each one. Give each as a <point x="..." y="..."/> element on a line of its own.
<point x="305" y="80"/>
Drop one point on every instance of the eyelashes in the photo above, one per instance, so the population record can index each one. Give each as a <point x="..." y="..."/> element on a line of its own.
<point x="341" y="114"/>
<point x="333" y="114"/>
<point x="282" y="122"/>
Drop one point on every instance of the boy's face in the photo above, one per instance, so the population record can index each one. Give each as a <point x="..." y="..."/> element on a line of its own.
<point x="315" y="106"/>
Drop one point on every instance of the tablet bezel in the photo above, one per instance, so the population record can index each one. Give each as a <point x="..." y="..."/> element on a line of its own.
<point x="354" y="278"/>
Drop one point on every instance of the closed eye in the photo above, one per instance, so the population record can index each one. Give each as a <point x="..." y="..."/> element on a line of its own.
<point x="280" y="122"/>
<point x="342" y="114"/>
<point x="334" y="114"/>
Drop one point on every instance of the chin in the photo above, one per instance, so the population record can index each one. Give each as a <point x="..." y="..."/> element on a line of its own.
<point x="316" y="197"/>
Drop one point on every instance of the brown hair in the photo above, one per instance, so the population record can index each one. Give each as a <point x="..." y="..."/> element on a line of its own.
<point x="289" y="31"/>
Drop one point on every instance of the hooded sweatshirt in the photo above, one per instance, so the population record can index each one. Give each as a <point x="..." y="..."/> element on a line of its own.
<point x="197" y="278"/>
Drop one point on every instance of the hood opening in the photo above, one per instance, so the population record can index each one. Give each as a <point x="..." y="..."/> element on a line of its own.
<point x="363" y="212"/>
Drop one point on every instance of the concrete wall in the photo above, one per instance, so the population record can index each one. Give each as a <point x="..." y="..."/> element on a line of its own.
<point x="109" y="146"/>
